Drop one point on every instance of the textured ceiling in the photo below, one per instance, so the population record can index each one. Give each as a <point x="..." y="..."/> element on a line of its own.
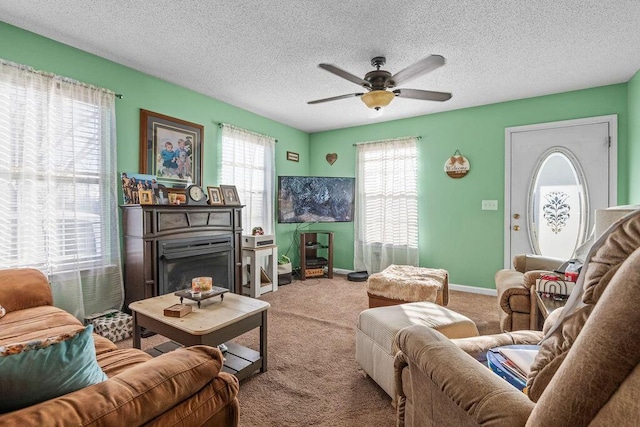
<point x="262" y="56"/>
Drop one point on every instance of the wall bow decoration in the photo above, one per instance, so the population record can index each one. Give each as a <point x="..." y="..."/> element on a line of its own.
<point x="457" y="165"/>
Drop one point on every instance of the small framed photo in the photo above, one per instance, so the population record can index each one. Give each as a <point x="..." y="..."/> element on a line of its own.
<point x="294" y="157"/>
<point x="177" y="196"/>
<point x="215" y="196"/>
<point x="146" y="197"/>
<point x="230" y="195"/>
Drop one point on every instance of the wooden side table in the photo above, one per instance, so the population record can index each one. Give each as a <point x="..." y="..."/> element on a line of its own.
<point x="253" y="259"/>
<point x="547" y="303"/>
<point x="547" y="296"/>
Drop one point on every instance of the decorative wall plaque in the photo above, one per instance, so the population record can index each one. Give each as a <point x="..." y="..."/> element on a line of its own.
<point x="457" y="165"/>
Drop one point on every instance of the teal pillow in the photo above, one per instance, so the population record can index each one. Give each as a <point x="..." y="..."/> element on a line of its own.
<point x="37" y="371"/>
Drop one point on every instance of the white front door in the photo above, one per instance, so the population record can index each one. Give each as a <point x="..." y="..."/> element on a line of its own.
<point x="556" y="175"/>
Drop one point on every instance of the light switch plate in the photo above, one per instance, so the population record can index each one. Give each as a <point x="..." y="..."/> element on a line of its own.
<point x="489" y="205"/>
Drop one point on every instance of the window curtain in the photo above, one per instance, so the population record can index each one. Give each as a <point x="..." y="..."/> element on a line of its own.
<point x="248" y="162"/>
<point x="58" y="187"/>
<point x="386" y="219"/>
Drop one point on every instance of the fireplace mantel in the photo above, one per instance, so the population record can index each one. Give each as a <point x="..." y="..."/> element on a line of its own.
<point x="145" y="226"/>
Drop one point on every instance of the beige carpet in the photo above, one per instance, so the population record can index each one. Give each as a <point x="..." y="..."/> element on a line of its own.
<point x="312" y="377"/>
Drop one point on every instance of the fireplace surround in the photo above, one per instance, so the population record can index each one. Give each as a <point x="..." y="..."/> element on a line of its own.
<point x="166" y="246"/>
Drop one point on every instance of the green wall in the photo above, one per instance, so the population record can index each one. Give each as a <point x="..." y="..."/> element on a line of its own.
<point x="142" y="91"/>
<point x="633" y="88"/>
<point x="455" y="233"/>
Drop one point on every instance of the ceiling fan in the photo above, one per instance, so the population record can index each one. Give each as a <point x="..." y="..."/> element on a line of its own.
<point x="377" y="83"/>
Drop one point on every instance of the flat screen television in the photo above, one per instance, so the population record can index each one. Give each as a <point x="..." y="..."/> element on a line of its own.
<point x="315" y="199"/>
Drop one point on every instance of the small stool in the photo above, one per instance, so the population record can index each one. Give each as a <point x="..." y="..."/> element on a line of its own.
<point x="377" y="328"/>
<point x="255" y="258"/>
<point x="399" y="284"/>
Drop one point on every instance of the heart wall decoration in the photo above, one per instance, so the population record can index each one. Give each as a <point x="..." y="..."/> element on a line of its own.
<point x="331" y="158"/>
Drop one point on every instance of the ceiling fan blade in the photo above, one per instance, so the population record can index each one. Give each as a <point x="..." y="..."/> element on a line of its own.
<point x="334" y="98"/>
<point x="344" y="74"/>
<point x="425" y="95"/>
<point x="421" y="67"/>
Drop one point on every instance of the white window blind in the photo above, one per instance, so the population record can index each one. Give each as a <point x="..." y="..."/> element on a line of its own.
<point x="248" y="162"/>
<point x="58" y="186"/>
<point x="386" y="220"/>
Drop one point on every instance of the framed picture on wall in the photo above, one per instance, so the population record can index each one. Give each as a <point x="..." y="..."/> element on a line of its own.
<point x="170" y="149"/>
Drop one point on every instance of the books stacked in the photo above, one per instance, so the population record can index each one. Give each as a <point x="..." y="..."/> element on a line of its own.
<point x="513" y="363"/>
<point x="519" y="360"/>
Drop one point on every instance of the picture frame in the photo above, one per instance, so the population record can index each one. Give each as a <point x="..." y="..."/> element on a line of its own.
<point x="133" y="183"/>
<point x="177" y="196"/>
<point x="230" y="195"/>
<point x="146" y="197"/>
<point x="215" y="196"/>
<point x="292" y="156"/>
<point x="170" y="149"/>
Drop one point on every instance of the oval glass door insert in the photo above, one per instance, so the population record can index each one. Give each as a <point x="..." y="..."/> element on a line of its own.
<point x="558" y="209"/>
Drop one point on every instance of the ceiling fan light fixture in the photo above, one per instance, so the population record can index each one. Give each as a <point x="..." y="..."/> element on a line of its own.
<point x="377" y="99"/>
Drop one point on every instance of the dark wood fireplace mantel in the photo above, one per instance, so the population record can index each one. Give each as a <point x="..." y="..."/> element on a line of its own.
<point x="144" y="226"/>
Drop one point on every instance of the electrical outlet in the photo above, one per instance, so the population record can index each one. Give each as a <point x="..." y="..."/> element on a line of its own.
<point x="489" y="205"/>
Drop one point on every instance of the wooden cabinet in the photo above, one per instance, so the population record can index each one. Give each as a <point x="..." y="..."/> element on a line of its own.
<point x="148" y="229"/>
<point x="316" y="253"/>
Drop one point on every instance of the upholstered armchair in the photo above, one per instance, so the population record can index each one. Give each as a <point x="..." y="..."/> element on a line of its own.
<point x="586" y="372"/>
<point x="516" y="291"/>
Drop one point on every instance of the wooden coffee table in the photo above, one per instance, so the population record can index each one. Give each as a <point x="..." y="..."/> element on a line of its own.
<point x="214" y="323"/>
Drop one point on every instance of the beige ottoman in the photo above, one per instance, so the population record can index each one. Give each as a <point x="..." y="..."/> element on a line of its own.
<point x="399" y="284"/>
<point x="377" y="328"/>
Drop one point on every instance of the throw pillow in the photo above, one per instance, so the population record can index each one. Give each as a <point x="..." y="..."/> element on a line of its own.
<point x="39" y="370"/>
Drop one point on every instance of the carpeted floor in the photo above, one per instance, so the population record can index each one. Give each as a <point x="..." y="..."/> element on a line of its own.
<point x="312" y="377"/>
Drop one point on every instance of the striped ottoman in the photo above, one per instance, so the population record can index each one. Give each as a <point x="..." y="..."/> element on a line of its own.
<point x="377" y="328"/>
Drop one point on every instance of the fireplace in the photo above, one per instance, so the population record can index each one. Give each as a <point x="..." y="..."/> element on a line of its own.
<point x="180" y="260"/>
<point x="166" y="246"/>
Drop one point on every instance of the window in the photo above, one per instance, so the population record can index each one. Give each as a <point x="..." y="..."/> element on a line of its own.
<point x="248" y="162"/>
<point x="58" y="187"/>
<point x="386" y="220"/>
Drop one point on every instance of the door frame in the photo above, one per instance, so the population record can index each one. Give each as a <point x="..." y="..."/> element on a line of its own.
<point x="612" y="120"/>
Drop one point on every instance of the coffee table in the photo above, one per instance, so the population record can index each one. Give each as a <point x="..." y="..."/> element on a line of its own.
<point x="214" y="323"/>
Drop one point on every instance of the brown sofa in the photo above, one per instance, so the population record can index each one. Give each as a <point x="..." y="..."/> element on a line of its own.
<point x="516" y="287"/>
<point x="586" y="372"/>
<point x="184" y="387"/>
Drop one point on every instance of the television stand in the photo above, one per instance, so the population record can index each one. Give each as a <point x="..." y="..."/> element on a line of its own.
<point x="310" y="244"/>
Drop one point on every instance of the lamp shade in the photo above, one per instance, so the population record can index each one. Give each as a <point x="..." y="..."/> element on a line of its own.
<point x="377" y="99"/>
<point x="606" y="217"/>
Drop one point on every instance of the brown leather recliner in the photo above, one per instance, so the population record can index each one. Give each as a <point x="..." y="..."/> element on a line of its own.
<point x="586" y="372"/>
<point x="516" y="291"/>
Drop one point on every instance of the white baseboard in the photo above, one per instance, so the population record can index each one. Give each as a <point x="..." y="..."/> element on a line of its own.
<point x="473" y="289"/>
<point x="453" y="287"/>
